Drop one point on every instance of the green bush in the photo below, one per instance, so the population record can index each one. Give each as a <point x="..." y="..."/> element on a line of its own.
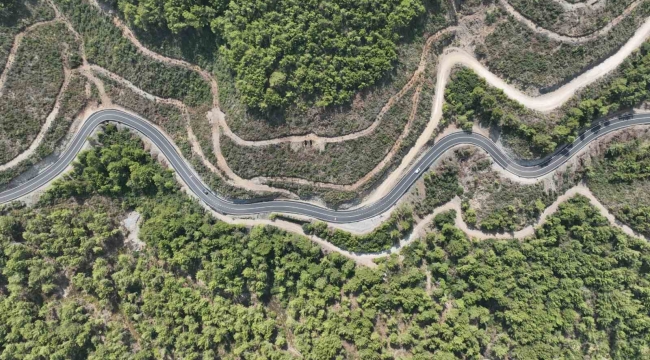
<point x="620" y="179"/>
<point x="440" y="187"/>
<point x="120" y="166"/>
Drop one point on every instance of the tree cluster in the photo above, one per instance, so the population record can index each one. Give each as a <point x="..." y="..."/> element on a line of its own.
<point x="120" y="166"/>
<point x="292" y="52"/>
<point x="440" y="187"/>
<point x="7" y="8"/>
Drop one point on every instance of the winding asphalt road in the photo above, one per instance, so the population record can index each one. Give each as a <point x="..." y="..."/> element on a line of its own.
<point x="224" y="206"/>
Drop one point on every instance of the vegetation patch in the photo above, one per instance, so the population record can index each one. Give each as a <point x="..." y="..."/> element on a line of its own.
<point x="440" y="186"/>
<point x="32" y="86"/>
<point x="551" y="15"/>
<point x="333" y="198"/>
<point x="15" y="16"/>
<point x="339" y="163"/>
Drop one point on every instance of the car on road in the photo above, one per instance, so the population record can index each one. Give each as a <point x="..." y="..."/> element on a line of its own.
<point x="417" y="171"/>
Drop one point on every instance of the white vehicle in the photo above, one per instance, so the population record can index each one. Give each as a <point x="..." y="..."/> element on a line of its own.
<point x="417" y="171"/>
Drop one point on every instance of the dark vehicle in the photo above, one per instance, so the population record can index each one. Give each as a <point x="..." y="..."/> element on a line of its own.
<point x="625" y="116"/>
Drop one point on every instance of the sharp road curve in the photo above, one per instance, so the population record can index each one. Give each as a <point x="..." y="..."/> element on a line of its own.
<point x="229" y="207"/>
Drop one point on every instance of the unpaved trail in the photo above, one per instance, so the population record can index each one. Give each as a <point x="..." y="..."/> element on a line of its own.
<point x="453" y="57"/>
<point x="415" y="79"/>
<point x="446" y="62"/>
<point x="235" y="179"/>
<point x="14" y="49"/>
<point x="85" y="68"/>
<point x="564" y="38"/>
<point x="543" y="103"/>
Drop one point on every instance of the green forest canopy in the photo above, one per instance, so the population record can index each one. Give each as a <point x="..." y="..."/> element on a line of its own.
<point x="200" y="288"/>
<point x="287" y="52"/>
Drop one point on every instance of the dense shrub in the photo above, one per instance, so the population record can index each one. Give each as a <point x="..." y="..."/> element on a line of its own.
<point x="621" y="178"/>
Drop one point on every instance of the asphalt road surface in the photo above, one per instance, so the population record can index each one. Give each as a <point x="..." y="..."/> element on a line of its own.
<point x="229" y="207"/>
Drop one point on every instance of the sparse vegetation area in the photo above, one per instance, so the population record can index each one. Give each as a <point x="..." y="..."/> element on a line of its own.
<point x="338" y="163"/>
<point x="32" y="86"/>
<point x="106" y="47"/>
<point x="517" y="54"/>
<point x="16" y="16"/>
